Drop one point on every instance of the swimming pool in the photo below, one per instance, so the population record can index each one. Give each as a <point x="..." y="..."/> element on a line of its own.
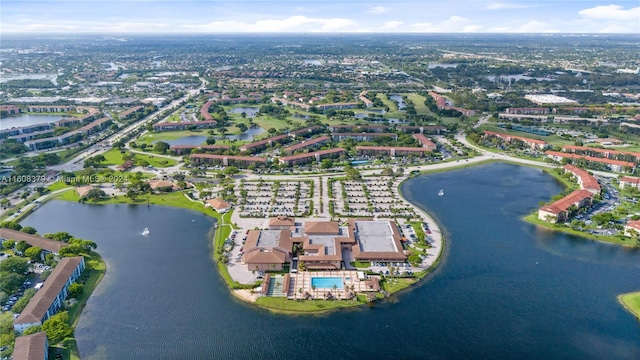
<point x="327" y="282"/>
<point x="360" y="162"/>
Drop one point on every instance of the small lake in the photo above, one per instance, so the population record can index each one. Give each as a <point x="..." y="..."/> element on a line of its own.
<point x="312" y="62"/>
<point x="187" y="140"/>
<point x="398" y="99"/>
<point x="505" y="289"/>
<point x="446" y="66"/>
<point x="26" y="120"/>
<point x="495" y="78"/>
<point x="247" y="135"/>
<point x="250" y="111"/>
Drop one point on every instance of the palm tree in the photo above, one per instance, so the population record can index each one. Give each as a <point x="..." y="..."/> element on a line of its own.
<point x="300" y="291"/>
<point x="313" y="287"/>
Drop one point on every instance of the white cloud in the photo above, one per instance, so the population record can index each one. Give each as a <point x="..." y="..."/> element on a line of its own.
<point x="611" y="12"/>
<point x="471" y="28"/>
<point x="377" y="10"/>
<point x="296" y="23"/>
<point x="453" y="24"/>
<point x="391" y="25"/>
<point x="505" y="6"/>
<point x="535" y="26"/>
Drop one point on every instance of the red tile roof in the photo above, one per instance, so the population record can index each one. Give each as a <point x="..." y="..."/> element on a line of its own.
<point x="396" y="148"/>
<point x="587" y="181"/>
<point x="424" y="141"/>
<point x="306" y="143"/>
<point x="311" y="154"/>
<point x="228" y="157"/>
<point x="262" y="142"/>
<point x="565" y="203"/>
<point x="589" y="158"/>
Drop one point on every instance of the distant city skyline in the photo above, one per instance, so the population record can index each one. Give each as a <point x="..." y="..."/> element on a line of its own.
<point x="352" y="16"/>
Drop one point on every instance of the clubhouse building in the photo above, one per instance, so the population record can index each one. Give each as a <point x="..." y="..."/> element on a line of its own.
<point x="322" y="245"/>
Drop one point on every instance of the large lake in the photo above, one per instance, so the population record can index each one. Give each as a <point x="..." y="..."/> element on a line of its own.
<point x="26" y="120"/>
<point x="504" y="290"/>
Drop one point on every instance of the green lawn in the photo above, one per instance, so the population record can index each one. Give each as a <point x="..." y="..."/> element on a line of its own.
<point x="114" y="157"/>
<point x="392" y="285"/>
<point x="152" y="137"/>
<point x="279" y="304"/>
<point x="418" y="103"/>
<point x="58" y="185"/>
<point x="268" y="122"/>
<point x="631" y="302"/>
<point x="621" y="240"/>
<point x="361" y="265"/>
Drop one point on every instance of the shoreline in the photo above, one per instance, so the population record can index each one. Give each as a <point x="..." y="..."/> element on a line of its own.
<point x="242" y="292"/>
<point x="631" y="303"/>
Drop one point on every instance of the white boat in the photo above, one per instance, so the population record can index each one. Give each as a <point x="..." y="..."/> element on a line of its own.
<point x="441" y="192"/>
<point x="145" y="232"/>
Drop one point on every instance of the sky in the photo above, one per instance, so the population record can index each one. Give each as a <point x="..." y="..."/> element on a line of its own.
<point x="329" y="16"/>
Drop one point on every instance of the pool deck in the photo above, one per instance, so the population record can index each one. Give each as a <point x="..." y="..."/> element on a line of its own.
<point x="349" y="278"/>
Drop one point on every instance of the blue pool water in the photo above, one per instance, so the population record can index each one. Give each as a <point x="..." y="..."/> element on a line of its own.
<point x="360" y="162"/>
<point x="327" y="282"/>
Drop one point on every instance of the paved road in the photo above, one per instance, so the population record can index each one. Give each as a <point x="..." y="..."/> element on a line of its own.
<point x="35" y="203"/>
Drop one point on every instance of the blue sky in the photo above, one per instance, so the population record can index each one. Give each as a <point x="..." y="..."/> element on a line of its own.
<point x="237" y="16"/>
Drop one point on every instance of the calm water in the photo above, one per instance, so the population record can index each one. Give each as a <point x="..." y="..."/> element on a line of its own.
<point x="250" y="111"/>
<point x="399" y="100"/>
<point x="26" y="120"/>
<point x="505" y="290"/>
<point x="188" y="140"/>
<point x="247" y="135"/>
<point x="516" y="78"/>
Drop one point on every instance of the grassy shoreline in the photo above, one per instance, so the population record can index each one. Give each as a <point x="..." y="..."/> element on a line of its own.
<point x="96" y="268"/>
<point x="631" y="302"/>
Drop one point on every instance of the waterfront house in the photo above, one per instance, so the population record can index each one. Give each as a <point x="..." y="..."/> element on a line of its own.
<point x="560" y="210"/>
<point x="218" y="204"/>
<point x="47" y="245"/>
<point x="84" y="190"/>
<point x="50" y="298"/>
<point x="162" y="186"/>
<point x="532" y="143"/>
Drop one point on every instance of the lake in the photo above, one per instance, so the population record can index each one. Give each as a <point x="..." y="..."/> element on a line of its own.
<point x="517" y="77"/>
<point x="505" y="289"/>
<point x="398" y="99"/>
<point x="247" y="135"/>
<point x="312" y="62"/>
<point x="250" y="111"/>
<point x="445" y="66"/>
<point x="187" y="140"/>
<point x="26" y="120"/>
